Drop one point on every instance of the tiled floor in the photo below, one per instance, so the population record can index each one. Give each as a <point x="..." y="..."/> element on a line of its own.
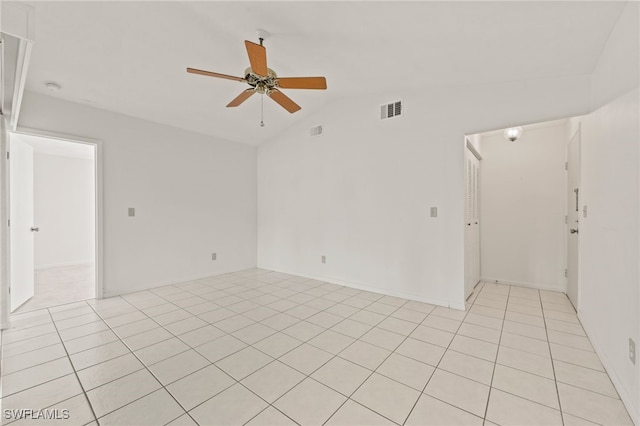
<point x="265" y="348"/>
<point x="61" y="285"/>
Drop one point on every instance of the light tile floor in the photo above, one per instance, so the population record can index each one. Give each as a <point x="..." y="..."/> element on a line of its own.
<point x="264" y="348"/>
<point x="61" y="285"/>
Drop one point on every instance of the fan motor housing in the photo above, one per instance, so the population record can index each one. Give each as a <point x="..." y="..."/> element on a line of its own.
<point x="261" y="83"/>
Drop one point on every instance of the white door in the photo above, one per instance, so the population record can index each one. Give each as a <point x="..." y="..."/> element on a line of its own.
<point x="21" y="217"/>
<point x="472" y="223"/>
<point x="573" y="217"/>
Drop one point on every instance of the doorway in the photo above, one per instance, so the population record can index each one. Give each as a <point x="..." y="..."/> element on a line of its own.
<point x="54" y="221"/>
<point x="523" y="206"/>
<point x="573" y="217"/>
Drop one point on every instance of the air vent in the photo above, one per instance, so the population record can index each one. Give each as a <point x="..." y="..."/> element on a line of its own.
<point x="393" y="109"/>
<point x="317" y="130"/>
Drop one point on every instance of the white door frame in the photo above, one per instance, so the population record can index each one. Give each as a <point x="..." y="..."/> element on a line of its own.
<point x="99" y="237"/>
<point x="576" y="137"/>
<point x="474" y="152"/>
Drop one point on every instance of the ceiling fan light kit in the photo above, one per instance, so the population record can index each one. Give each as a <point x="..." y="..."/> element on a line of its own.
<point x="264" y="80"/>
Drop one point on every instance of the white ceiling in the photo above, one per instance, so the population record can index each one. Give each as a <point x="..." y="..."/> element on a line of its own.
<point x="131" y="57"/>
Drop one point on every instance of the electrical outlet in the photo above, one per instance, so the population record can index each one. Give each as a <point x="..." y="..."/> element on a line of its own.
<point x="324" y="259"/>
<point x="632" y="351"/>
<point x="434" y="212"/>
<point x="213" y="256"/>
<point x="132" y="212"/>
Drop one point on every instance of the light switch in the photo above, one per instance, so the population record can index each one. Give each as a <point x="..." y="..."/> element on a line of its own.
<point x="434" y="212"/>
<point x="132" y="212"/>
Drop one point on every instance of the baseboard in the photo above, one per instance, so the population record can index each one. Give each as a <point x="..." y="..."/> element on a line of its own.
<point x="550" y="287"/>
<point x="63" y="264"/>
<point x="178" y="281"/>
<point x="629" y="402"/>
<point x="366" y="287"/>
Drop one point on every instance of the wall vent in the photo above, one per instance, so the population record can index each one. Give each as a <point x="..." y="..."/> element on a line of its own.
<point x="316" y="130"/>
<point x="393" y="109"/>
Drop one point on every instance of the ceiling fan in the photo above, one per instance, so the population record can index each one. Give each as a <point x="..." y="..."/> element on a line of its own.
<point x="264" y="80"/>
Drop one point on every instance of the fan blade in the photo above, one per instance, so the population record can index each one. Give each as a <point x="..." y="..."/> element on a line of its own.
<point x="303" y="83"/>
<point x="284" y="101"/>
<point x="214" y="74"/>
<point x="241" y="97"/>
<point x="257" y="58"/>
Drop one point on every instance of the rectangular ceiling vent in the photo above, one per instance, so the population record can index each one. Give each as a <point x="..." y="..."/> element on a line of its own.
<point x="393" y="109"/>
<point x="316" y="130"/>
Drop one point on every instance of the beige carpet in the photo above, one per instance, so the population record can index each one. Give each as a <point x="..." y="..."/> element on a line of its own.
<point x="57" y="286"/>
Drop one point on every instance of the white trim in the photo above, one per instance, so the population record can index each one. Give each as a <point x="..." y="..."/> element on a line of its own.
<point x="473" y="149"/>
<point x="551" y="287"/>
<point x="366" y="287"/>
<point x="24" y="54"/>
<point x="18" y="21"/>
<point x="5" y="234"/>
<point x="64" y="137"/>
<point x="99" y="237"/>
<point x="577" y="133"/>
<point x="99" y="249"/>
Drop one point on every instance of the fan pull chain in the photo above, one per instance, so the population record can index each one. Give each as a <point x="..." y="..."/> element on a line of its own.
<point x="262" y="110"/>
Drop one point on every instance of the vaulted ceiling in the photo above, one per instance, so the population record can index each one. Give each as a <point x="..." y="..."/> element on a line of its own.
<point x="130" y="57"/>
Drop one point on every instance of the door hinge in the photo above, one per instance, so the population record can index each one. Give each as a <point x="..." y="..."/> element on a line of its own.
<point x="566" y="165"/>
<point x="566" y="273"/>
<point x="7" y="155"/>
<point x="566" y="219"/>
<point x="9" y="290"/>
<point x="9" y="222"/>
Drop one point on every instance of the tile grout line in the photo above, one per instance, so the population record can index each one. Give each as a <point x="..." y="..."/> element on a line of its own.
<point x="449" y="349"/>
<point x="190" y="348"/>
<point x="316" y="297"/>
<point x="178" y="307"/>
<point x="424" y="388"/>
<point x="553" y="365"/>
<point x="95" y="417"/>
<point x="309" y="376"/>
<point x="46" y="308"/>
<point x="150" y="372"/>
<point x="306" y="376"/>
<point x="486" y="411"/>
<point x="372" y="371"/>
<point x="416" y="325"/>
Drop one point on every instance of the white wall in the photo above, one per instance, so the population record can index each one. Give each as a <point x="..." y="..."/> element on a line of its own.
<point x="522" y="207"/>
<point x="609" y="274"/>
<point x="361" y="192"/>
<point x="64" y="210"/>
<point x="193" y="195"/>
